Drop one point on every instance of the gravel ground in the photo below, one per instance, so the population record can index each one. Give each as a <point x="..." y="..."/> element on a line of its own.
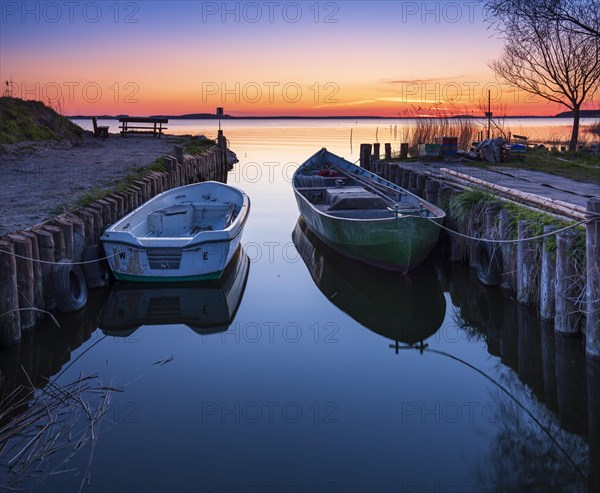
<point x="37" y="178"/>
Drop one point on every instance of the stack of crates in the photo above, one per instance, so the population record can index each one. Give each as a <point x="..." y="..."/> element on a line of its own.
<point x="430" y="150"/>
<point x="449" y="146"/>
<point x="518" y="152"/>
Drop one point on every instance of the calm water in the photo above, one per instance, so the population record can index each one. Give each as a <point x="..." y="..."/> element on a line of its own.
<point x="302" y="371"/>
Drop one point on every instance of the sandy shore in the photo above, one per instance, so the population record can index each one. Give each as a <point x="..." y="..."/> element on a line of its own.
<point x="38" y="178"/>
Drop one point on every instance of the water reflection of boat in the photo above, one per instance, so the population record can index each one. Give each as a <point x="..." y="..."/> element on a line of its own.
<point x="206" y="307"/>
<point x="407" y="309"/>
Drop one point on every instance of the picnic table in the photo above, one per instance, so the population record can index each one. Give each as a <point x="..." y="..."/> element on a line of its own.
<point x="153" y="125"/>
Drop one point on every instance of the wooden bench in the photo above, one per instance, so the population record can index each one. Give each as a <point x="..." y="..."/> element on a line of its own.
<point x="99" y="131"/>
<point x="152" y="125"/>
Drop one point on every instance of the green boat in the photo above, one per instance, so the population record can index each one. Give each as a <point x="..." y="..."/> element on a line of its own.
<point x="364" y="216"/>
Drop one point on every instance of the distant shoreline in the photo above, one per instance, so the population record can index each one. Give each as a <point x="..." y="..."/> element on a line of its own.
<point x="205" y="116"/>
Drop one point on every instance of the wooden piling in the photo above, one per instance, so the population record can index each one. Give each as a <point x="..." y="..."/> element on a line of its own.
<point x="405" y="175"/>
<point x="78" y="236"/>
<point x="526" y="266"/>
<point x="67" y="231"/>
<point x="431" y="191"/>
<point x="10" y="320"/>
<point x="420" y="184"/>
<point x="412" y="180"/>
<point x="377" y="150"/>
<point x="59" y="241"/>
<point x="394" y="173"/>
<point x="179" y="154"/>
<point x="88" y="224"/>
<point x="46" y="250"/>
<point x="454" y="254"/>
<point x="388" y="151"/>
<point x="25" y="280"/>
<point x="404" y="150"/>
<point x="365" y="156"/>
<point x="548" y="277"/>
<point x="566" y="318"/>
<point x="509" y="265"/>
<point x="592" y="254"/>
<point x="38" y="283"/>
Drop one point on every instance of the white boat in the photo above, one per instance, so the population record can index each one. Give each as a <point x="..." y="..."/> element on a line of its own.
<point x="189" y="233"/>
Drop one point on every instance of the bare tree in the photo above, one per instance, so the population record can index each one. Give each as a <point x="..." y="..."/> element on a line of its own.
<point x="582" y="16"/>
<point x="541" y="57"/>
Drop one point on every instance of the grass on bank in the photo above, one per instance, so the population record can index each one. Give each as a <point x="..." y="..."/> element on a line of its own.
<point x="22" y="121"/>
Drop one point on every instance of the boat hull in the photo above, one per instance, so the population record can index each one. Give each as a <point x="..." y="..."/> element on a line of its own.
<point x="202" y="263"/>
<point x="395" y="244"/>
<point x="387" y="240"/>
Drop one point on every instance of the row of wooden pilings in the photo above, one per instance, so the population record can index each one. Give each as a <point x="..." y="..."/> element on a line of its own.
<point x="548" y="279"/>
<point x="27" y="257"/>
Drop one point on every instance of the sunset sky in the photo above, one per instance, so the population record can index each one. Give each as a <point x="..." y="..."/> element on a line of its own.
<point x="390" y="58"/>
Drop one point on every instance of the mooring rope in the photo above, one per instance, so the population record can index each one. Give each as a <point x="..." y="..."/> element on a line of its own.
<point x="518" y="240"/>
<point x="59" y="262"/>
<point x="509" y="394"/>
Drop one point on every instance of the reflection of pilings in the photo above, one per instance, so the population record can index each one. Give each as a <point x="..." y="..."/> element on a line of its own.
<point x="566" y="320"/>
<point x="571" y="384"/>
<point x="530" y="362"/>
<point x="510" y="338"/>
<point x="592" y="249"/>
<point x="593" y="394"/>
<point x="549" y="363"/>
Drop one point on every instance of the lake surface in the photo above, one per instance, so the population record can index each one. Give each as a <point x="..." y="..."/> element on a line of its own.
<point x="302" y="371"/>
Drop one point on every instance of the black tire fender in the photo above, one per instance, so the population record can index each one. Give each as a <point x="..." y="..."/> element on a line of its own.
<point x="69" y="286"/>
<point x="488" y="257"/>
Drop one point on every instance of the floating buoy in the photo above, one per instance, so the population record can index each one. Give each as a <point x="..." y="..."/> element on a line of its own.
<point x="488" y="258"/>
<point x="69" y="286"/>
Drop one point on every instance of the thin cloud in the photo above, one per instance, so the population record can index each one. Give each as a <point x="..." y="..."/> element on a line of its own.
<point x="420" y="81"/>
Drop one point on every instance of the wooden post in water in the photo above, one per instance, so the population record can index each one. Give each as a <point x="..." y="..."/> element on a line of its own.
<point x="405" y="175"/>
<point x="404" y="150"/>
<point x="548" y="278"/>
<point x="412" y="181"/>
<point x="25" y="279"/>
<point x="388" y="151"/>
<point x="526" y="266"/>
<point x="566" y="319"/>
<point x="453" y="239"/>
<point x="38" y="282"/>
<point x="509" y="267"/>
<point x="365" y="156"/>
<point x="394" y="173"/>
<point x="592" y="254"/>
<point x="377" y="150"/>
<point x="10" y="321"/>
<point x="431" y="191"/>
<point x="421" y="185"/>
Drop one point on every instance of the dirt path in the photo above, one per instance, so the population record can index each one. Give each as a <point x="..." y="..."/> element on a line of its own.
<point x="38" y="178"/>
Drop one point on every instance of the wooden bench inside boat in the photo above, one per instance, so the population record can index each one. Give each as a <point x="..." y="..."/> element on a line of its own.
<point x="353" y="198"/>
<point x="189" y="219"/>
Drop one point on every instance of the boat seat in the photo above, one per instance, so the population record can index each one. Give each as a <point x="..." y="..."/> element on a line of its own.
<point x="353" y="198"/>
<point x="175" y="220"/>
